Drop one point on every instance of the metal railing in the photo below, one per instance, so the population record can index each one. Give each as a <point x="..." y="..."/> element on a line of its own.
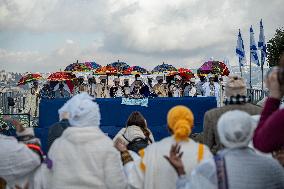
<point x="18" y="99"/>
<point x="256" y="95"/>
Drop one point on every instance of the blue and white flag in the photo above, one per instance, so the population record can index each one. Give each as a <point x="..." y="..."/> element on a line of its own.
<point x="261" y="44"/>
<point x="240" y="50"/>
<point x="253" y="49"/>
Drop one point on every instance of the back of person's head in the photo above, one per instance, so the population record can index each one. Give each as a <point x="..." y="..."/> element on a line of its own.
<point x="137" y="119"/>
<point x="235" y="129"/>
<point x="82" y="110"/>
<point x="234" y="86"/>
<point x="180" y="121"/>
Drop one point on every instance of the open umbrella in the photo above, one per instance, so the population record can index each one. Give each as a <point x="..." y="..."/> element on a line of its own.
<point x="66" y="77"/>
<point x="106" y="70"/>
<point x="61" y="76"/>
<point x="164" y="68"/>
<point x="120" y="66"/>
<point x="29" y="78"/>
<point x="184" y="73"/>
<point x="135" y="70"/>
<point x="92" y="65"/>
<point x="213" y="67"/>
<point x="78" y="67"/>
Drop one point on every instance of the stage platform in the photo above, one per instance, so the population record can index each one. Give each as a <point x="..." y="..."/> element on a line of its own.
<point x="114" y="114"/>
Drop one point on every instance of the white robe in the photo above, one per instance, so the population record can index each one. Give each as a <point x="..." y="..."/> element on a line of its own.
<point x="32" y="104"/>
<point x="206" y="88"/>
<point x="85" y="158"/>
<point x="17" y="163"/>
<point x="159" y="174"/>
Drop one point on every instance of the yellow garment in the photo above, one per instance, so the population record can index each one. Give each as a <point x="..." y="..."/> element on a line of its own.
<point x="180" y="121"/>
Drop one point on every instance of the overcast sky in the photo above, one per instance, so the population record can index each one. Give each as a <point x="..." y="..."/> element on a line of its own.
<point x="46" y="35"/>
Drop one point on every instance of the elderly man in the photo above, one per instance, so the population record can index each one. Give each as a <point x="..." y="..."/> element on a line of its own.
<point x="116" y="90"/>
<point x="126" y="88"/>
<point x="160" y="88"/>
<point x="176" y="88"/>
<point x="235" y="92"/>
<point x="102" y="89"/>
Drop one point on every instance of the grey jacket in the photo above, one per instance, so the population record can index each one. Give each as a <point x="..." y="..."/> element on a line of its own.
<point x="211" y="117"/>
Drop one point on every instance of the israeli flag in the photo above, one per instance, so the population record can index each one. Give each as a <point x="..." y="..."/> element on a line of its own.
<point x="240" y="50"/>
<point x="253" y="49"/>
<point x="261" y="44"/>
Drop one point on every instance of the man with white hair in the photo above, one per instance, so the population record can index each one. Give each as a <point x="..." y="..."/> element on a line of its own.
<point x="237" y="166"/>
<point x="84" y="157"/>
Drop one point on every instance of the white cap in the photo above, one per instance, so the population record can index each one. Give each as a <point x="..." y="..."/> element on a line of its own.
<point x="178" y="77"/>
<point x="235" y="129"/>
<point x="159" y="78"/>
<point x="116" y="80"/>
<point x="192" y="80"/>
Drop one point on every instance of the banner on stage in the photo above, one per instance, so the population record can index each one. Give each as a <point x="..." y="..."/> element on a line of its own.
<point x="135" y="102"/>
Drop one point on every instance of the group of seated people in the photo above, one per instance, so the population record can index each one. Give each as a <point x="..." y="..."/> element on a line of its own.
<point x="172" y="86"/>
<point x="240" y="150"/>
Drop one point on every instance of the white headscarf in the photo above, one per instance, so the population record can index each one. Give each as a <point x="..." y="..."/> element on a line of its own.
<point x="83" y="111"/>
<point x="235" y="129"/>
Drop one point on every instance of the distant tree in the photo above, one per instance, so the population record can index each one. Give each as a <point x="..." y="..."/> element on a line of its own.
<point x="274" y="47"/>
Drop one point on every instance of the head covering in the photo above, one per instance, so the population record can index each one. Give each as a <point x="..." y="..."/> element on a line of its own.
<point x="210" y="76"/>
<point x="180" y="121"/>
<point x="192" y="80"/>
<point x="235" y="129"/>
<point x="103" y="77"/>
<point x="126" y="79"/>
<point x="116" y="80"/>
<point x="235" y="85"/>
<point x="177" y="77"/>
<point x="83" y="111"/>
<point x="139" y="78"/>
<point x="159" y="78"/>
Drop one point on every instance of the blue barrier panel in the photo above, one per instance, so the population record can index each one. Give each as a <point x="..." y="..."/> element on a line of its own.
<point x="114" y="114"/>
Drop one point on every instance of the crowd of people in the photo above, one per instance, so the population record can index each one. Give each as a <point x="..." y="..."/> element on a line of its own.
<point x="171" y="86"/>
<point x="242" y="147"/>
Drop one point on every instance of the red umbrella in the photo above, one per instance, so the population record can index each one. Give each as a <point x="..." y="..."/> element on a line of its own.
<point x="29" y="78"/>
<point x="67" y="77"/>
<point x="61" y="76"/>
<point x="184" y="73"/>
<point x="106" y="70"/>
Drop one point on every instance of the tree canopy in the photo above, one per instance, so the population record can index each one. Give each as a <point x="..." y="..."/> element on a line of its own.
<point x="275" y="47"/>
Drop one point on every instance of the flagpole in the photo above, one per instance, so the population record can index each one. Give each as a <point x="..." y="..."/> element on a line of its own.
<point x="262" y="74"/>
<point x="240" y="67"/>
<point x="250" y="70"/>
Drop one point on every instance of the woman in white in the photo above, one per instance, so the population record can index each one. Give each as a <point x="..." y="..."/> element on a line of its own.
<point x="152" y="171"/>
<point x="84" y="157"/>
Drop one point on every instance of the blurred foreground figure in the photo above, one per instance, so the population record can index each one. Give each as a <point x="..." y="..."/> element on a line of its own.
<point x="236" y="167"/>
<point x="151" y="170"/>
<point x="84" y="157"/>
